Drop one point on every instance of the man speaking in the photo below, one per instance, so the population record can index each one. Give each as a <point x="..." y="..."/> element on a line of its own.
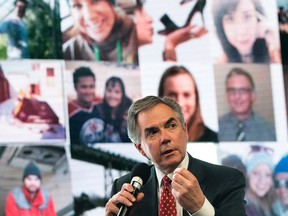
<point x="179" y="185"/>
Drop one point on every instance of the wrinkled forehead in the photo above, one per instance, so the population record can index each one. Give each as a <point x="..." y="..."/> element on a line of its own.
<point x="238" y="79"/>
<point x="155" y="116"/>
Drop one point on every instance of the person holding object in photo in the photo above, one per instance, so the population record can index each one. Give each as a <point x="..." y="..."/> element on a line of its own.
<point x="144" y="28"/>
<point x="244" y="33"/>
<point x="31" y="198"/>
<point x="157" y="128"/>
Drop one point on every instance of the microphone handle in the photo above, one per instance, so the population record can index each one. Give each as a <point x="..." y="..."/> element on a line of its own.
<point x="124" y="210"/>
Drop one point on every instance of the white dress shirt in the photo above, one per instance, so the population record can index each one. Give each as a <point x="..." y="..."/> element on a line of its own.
<point x="206" y="210"/>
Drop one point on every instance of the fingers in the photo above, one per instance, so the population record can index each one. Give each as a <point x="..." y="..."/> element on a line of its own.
<point x="186" y="190"/>
<point x="123" y="197"/>
<point x="183" y="178"/>
<point x="198" y="31"/>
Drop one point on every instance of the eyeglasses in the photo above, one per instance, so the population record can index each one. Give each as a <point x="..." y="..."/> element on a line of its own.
<point x="258" y="148"/>
<point x="240" y="91"/>
<point x="281" y="183"/>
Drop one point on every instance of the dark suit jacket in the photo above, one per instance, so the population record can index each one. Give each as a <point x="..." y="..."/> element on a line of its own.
<point x="224" y="187"/>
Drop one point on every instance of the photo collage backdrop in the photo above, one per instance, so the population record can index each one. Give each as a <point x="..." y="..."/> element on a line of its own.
<point x="66" y="66"/>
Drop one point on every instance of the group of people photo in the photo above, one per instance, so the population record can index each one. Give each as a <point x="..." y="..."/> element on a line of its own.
<point x="265" y="169"/>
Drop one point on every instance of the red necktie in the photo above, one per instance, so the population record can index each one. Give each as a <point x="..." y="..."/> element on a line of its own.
<point x="167" y="205"/>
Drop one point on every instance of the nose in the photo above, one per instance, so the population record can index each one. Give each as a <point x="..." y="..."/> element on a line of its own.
<point x="180" y="101"/>
<point x="165" y="139"/>
<point x="241" y="28"/>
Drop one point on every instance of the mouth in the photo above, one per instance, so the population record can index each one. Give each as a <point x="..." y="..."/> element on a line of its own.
<point x="94" y="26"/>
<point x="167" y="152"/>
<point x="244" y="42"/>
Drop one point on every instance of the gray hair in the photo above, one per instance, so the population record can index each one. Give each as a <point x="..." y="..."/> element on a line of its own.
<point x="146" y="104"/>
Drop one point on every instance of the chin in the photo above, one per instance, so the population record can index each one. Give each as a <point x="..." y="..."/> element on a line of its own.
<point x="96" y="36"/>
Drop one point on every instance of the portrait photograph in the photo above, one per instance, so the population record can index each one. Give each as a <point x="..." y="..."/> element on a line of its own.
<point x="245" y="102"/>
<point x="99" y="31"/>
<point x="263" y="165"/>
<point x="41" y="172"/>
<point x="192" y="86"/>
<point x="30" y="30"/>
<point x="245" y="31"/>
<point x="174" y="31"/>
<point x="98" y="96"/>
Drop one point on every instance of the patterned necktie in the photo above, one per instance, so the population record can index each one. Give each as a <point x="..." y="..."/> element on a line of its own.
<point x="240" y="132"/>
<point x="167" y="205"/>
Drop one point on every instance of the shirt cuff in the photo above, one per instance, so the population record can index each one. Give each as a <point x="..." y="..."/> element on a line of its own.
<point x="206" y="210"/>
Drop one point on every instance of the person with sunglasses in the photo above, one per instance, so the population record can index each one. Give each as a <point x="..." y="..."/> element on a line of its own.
<point x="281" y="186"/>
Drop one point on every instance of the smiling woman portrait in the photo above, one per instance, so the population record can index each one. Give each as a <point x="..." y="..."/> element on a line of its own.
<point x="244" y="33"/>
<point x="102" y="34"/>
<point x="260" y="190"/>
<point x="113" y="111"/>
<point x="179" y="84"/>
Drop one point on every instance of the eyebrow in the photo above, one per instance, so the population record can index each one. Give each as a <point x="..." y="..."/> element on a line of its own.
<point x="167" y="123"/>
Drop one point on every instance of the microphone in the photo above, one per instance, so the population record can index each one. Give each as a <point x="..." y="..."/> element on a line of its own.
<point x="139" y="176"/>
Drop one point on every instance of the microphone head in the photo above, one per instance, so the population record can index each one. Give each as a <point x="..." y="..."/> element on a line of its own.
<point x="142" y="171"/>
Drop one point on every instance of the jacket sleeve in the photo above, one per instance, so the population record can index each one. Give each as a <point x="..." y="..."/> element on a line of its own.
<point x="11" y="208"/>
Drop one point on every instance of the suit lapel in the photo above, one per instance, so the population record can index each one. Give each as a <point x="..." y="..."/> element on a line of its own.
<point x="150" y="200"/>
<point x="196" y="169"/>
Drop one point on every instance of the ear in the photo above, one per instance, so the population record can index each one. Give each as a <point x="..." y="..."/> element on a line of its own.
<point x="139" y="148"/>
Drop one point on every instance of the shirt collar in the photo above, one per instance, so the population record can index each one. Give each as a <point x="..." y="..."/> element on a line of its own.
<point x="160" y="174"/>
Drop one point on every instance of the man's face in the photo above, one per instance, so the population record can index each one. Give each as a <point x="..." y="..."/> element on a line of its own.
<point x="20" y="8"/>
<point x="163" y="139"/>
<point x="85" y="89"/>
<point x="143" y="26"/>
<point x="32" y="183"/>
<point x="95" y="18"/>
<point x="181" y="88"/>
<point x="240" y="95"/>
<point x="282" y="188"/>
